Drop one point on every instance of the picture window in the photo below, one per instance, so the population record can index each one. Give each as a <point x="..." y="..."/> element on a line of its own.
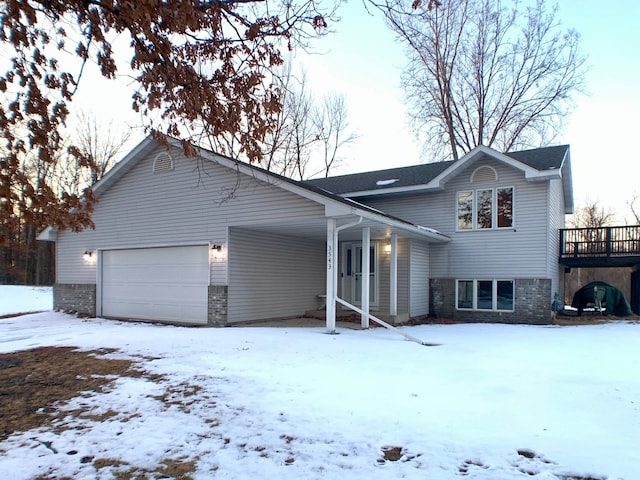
<point x="485" y="209"/>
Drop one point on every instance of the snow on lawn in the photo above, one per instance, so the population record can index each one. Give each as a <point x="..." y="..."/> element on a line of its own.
<point x="17" y="299"/>
<point x="492" y="402"/>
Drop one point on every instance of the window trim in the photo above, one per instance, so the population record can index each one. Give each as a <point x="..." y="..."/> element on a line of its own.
<point x="494" y="209"/>
<point x="494" y="295"/>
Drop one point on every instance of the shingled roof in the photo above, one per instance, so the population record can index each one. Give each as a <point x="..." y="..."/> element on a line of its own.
<point x="542" y="159"/>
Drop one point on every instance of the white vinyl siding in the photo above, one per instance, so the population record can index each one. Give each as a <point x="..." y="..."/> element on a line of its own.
<point x="404" y="251"/>
<point x="383" y="276"/>
<point x="419" y="279"/>
<point x="272" y="276"/>
<point x="403" y="276"/>
<point x="519" y="252"/>
<point x="556" y="222"/>
<point x="194" y="203"/>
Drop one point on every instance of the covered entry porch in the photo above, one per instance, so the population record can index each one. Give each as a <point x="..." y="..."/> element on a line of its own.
<point x="391" y="279"/>
<point x="317" y="266"/>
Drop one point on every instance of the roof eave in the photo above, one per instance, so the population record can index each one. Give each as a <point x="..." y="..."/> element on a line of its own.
<point x="345" y="205"/>
<point x="120" y="168"/>
<point x="567" y="183"/>
<point x="388" y="191"/>
<point x="49" y="234"/>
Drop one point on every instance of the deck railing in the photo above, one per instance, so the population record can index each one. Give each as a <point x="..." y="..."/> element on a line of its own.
<point x="600" y="242"/>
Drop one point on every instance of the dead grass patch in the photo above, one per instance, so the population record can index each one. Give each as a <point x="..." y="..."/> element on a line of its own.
<point x="390" y="454"/>
<point x="175" y="469"/>
<point x="33" y="381"/>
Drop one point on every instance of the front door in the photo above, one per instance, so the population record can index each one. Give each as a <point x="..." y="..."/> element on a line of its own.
<point x="352" y="273"/>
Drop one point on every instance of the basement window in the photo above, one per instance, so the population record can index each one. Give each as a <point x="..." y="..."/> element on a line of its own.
<point x="495" y="295"/>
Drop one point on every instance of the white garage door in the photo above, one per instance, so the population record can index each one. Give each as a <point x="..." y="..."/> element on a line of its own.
<point x="168" y="284"/>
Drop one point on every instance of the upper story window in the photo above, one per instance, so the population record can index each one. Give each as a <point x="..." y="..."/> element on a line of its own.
<point x="485" y="208"/>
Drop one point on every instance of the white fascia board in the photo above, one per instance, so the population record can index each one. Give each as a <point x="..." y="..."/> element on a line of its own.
<point x="263" y="176"/>
<point x="404" y="226"/>
<point x="387" y="191"/>
<point x="529" y="172"/>
<point x="333" y="208"/>
<point x="414" y="229"/>
<point x="122" y="166"/>
<point x="437" y="183"/>
<point x="49" y="234"/>
<point x="567" y="183"/>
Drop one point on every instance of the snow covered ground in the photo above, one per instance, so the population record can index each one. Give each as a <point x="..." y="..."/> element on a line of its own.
<point x="491" y="402"/>
<point x="17" y="299"/>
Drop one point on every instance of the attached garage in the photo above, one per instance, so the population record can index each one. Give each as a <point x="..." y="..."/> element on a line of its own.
<point x="163" y="284"/>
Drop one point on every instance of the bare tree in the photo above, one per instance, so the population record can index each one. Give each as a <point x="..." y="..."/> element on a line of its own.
<point x="634" y="208"/>
<point x="592" y="215"/>
<point x="480" y="73"/>
<point x="288" y="148"/>
<point x="100" y="143"/>
<point x="308" y="137"/>
<point x="95" y="147"/>
<point x="332" y="124"/>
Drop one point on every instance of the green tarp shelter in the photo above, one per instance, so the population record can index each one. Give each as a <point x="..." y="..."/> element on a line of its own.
<point x="612" y="299"/>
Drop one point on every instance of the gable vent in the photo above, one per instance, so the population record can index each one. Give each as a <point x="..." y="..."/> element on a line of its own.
<point x="163" y="163"/>
<point x="484" y="174"/>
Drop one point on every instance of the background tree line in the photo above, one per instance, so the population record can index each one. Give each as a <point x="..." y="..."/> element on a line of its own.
<point x="47" y="189"/>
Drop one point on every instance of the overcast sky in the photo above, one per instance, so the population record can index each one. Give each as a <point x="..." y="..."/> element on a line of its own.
<point x="362" y="61"/>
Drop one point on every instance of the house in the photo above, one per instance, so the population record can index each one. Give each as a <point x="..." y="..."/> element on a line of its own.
<point x="207" y="240"/>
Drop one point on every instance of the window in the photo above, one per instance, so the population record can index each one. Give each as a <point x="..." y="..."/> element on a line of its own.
<point x="465" y="210"/>
<point x="485" y="295"/>
<point x="504" y="294"/>
<point x="465" y="293"/>
<point x="505" y="207"/>
<point x="494" y="295"/>
<point x="485" y="209"/>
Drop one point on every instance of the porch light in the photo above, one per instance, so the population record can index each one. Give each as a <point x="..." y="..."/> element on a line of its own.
<point x="216" y="250"/>
<point x="387" y="247"/>
<point x="88" y="255"/>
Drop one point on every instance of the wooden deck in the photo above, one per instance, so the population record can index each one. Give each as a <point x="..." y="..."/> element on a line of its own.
<point x="600" y="247"/>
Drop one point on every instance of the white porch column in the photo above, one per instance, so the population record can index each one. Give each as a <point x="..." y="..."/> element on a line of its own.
<point x="393" y="291"/>
<point x="366" y="269"/>
<point x="332" y="275"/>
